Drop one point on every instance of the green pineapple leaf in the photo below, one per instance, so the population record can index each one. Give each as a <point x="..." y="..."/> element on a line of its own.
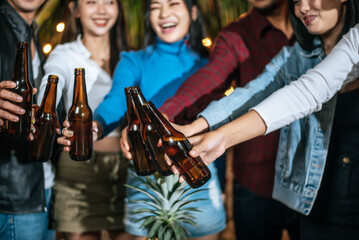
<point x="167" y="208"/>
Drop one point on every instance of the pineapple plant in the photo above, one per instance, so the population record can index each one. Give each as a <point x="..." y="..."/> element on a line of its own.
<point x="167" y="209"/>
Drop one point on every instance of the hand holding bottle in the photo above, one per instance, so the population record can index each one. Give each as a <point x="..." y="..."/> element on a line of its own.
<point x="125" y="144"/>
<point x="9" y="110"/>
<point x="67" y="134"/>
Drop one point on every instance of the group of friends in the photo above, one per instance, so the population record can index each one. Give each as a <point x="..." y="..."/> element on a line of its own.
<point x="295" y="65"/>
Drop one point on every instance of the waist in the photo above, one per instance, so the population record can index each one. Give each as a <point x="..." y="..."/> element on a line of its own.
<point x="108" y="144"/>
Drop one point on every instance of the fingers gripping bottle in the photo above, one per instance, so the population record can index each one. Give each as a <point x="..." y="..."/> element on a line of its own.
<point x="21" y="128"/>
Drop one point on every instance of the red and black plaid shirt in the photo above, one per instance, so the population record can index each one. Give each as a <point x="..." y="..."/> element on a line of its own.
<point x="242" y="50"/>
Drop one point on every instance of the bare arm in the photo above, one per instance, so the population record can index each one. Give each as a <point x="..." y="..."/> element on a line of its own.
<point x="211" y="145"/>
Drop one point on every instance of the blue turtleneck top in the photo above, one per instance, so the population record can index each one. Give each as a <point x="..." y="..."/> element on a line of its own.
<point x="159" y="70"/>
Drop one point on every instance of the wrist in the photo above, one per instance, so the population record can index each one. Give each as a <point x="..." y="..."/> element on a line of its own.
<point x="199" y="126"/>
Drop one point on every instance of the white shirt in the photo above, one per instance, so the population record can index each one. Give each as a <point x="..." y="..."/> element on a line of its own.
<point x="62" y="61"/>
<point x="49" y="173"/>
<point x="317" y="86"/>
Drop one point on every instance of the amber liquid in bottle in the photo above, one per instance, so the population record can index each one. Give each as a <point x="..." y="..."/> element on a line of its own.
<point x="80" y="118"/>
<point x="177" y="147"/>
<point x="40" y="148"/>
<point x="149" y="134"/>
<point x="21" y="128"/>
<point x="141" y="160"/>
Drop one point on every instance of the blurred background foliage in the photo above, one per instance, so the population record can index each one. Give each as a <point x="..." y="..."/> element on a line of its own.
<point x="216" y="14"/>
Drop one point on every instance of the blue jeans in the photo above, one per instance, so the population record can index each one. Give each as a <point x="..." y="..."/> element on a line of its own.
<point x="31" y="226"/>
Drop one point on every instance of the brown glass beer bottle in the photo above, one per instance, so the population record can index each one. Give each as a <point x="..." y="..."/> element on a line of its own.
<point x="40" y="148"/>
<point x="177" y="147"/>
<point x="80" y="118"/>
<point x="149" y="134"/>
<point x="21" y="128"/>
<point x="140" y="156"/>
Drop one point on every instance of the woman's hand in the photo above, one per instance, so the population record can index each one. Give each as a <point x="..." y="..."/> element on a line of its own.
<point x="67" y="134"/>
<point x="209" y="146"/>
<point x="125" y="144"/>
<point x="198" y="126"/>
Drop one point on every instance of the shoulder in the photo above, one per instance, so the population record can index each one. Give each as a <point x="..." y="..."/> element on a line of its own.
<point x="67" y="52"/>
<point x="65" y="48"/>
<point x="138" y="56"/>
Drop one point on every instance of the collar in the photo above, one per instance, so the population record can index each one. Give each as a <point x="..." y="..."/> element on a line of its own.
<point x="20" y="26"/>
<point x="317" y="51"/>
<point x="172" y="48"/>
<point x="261" y="22"/>
<point x="80" y="47"/>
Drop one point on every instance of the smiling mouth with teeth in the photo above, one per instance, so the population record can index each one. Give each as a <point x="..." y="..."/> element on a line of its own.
<point x="168" y="25"/>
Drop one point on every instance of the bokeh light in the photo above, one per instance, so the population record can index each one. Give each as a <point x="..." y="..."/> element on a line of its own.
<point x="229" y="91"/>
<point x="60" y="27"/>
<point x="207" y="42"/>
<point x="47" y="48"/>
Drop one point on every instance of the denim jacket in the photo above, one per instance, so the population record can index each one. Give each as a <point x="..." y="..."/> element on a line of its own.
<point x="303" y="145"/>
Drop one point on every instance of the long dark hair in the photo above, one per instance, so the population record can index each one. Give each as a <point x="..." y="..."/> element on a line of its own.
<point x="118" y="36"/>
<point x="196" y="29"/>
<point x="305" y="39"/>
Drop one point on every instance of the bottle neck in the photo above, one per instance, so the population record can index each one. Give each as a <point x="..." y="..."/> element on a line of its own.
<point x="138" y="101"/>
<point x="130" y="109"/>
<point x="21" y="69"/>
<point x="80" y="94"/>
<point x="48" y="103"/>
<point x="159" y="121"/>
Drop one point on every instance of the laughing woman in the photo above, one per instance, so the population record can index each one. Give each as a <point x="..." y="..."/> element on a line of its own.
<point x="173" y="52"/>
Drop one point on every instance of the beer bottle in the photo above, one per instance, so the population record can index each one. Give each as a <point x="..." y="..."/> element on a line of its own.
<point x="177" y="147"/>
<point x="80" y="118"/>
<point x="40" y="148"/>
<point x="141" y="159"/>
<point x="149" y="134"/>
<point x="21" y="76"/>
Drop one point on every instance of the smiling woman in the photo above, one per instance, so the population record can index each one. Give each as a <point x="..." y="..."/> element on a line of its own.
<point x="89" y="195"/>
<point x="170" y="19"/>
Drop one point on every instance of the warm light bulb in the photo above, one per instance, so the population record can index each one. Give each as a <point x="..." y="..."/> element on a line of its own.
<point x="60" y="27"/>
<point x="207" y="42"/>
<point x="47" y="48"/>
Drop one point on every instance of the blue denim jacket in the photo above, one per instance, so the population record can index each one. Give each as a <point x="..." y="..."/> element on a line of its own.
<point x="303" y="145"/>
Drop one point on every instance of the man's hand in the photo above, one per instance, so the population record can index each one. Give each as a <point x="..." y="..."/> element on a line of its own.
<point x="8" y="110"/>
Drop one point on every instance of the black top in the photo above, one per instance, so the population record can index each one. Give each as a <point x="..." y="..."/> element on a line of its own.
<point x="338" y="198"/>
<point x="21" y="181"/>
